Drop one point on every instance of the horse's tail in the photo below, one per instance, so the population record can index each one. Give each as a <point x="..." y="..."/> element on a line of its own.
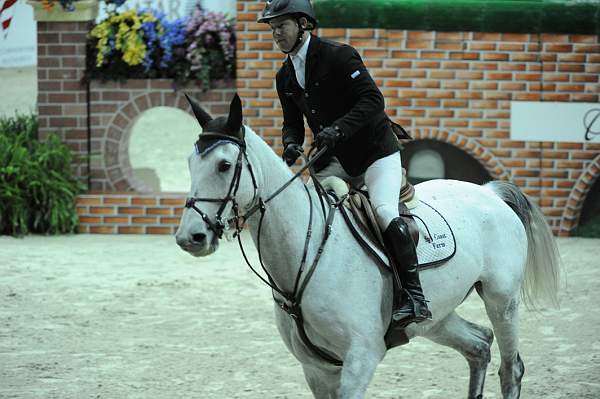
<point x="542" y="273"/>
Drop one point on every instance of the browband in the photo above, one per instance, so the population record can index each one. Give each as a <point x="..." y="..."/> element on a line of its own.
<point x="208" y="141"/>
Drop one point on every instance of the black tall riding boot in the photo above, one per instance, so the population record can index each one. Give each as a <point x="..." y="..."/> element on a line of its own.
<point x="411" y="307"/>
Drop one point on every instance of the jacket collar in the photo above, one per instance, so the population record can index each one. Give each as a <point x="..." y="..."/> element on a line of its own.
<point x="312" y="56"/>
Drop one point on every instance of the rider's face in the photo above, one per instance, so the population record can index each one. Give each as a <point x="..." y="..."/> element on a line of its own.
<point x="285" y="32"/>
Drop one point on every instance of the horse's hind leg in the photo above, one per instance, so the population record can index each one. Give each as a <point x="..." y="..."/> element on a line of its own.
<point x="502" y="307"/>
<point x="472" y="341"/>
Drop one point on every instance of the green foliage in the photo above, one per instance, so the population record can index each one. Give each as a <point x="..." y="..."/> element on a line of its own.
<point x="590" y="230"/>
<point x="37" y="187"/>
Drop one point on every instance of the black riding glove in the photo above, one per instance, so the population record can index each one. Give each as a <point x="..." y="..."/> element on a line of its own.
<point x="291" y="153"/>
<point x="329" y="137"/>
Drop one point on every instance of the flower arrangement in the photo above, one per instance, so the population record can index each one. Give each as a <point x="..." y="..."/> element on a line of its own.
<point x="133" y="43"/>
<point x="144" y="44"/>
<point x="211" y="45"/>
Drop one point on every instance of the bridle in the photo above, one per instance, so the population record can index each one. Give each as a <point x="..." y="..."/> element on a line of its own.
<point x="291" y="302"/>
<point x="218" y="226"/>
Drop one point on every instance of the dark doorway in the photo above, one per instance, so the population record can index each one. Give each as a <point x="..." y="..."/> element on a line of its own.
<point x="430" y="159"/>
<point x="590" y="213"/>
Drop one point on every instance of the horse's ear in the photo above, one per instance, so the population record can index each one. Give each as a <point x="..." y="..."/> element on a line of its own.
<point x="201" y="115"/>
<point x="234" y="121"/>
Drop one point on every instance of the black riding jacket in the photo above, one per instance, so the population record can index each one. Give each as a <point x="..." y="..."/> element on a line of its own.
<point x="339" y="92"/>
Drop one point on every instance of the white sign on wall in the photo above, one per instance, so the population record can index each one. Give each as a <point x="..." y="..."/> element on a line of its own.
<point x="555" y="121"/>
<point x="18" y="34"/>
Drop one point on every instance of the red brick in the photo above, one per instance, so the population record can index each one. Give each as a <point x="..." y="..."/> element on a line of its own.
<point x="571" y="68"/>
<point x="455" y="103"/>
<point x="481" y="46"/>
<point x="131" y="230"/>
<point x="490" y="37"/>
<point x="449" y="45"/>
<point x="116" y="220"/>
<point x="102" y="229"/>
<point x="375" y="53"/>
<point x="90" y="220"/>
<point x="170" y="220"/>
<point x="468" y="75"/>
<point x="485" y="66"/>
<point x="484" y="86"/>
<point x="515" y="47"/>
<point x="420" y="44"/>
<point x="144" y="220"/>
<point x="556" y="38"/>
<point x="587" y="48"/>
<point x="159" y="230"/>
<point x="106" y="210"/>
<point x="524" y="57"/>
<point x="455" y="85"/>
<point x="398" y="83"/>
<point x="404" y="54"/>
<point x="442" y="74"/>
<point x="527" y="96"/>
<point x="555" y="97"/>
<point x="499" y="76"/>
<point x="528" y="76"/>
<point x="412" y="94"/>
<point x="433" y="55"/>
<point x="330" y="32"/>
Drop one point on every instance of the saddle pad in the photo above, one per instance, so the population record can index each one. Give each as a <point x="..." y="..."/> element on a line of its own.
<point x="436" y="239"/>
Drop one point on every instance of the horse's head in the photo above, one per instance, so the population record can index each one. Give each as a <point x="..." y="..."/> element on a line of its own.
<point x="222" y="181"/>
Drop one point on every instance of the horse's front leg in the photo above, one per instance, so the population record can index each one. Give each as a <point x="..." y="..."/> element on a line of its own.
<point x="360" y="363"/>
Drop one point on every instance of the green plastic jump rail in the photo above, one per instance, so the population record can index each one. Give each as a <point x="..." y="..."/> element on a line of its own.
<point x="514" y="16"/>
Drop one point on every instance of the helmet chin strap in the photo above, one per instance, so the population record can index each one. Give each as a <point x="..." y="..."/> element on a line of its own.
<point x="298" y="39"/>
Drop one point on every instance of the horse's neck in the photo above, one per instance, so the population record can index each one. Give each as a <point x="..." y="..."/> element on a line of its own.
<point x="285" y="224"/>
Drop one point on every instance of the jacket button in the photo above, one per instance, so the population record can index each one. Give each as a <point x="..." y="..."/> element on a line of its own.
<point x="313" y="111"/>
<point x="317" y="84"/>
<point x="305" y="94"/>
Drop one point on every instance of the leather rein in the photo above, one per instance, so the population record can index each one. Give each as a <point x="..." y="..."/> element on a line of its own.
<point x="292" y="301"/>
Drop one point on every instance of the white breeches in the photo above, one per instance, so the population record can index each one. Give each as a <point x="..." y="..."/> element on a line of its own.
<point x="383" y="180"/>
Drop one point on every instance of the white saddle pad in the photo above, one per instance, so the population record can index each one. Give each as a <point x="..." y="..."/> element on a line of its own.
<point x="436" y="239"/>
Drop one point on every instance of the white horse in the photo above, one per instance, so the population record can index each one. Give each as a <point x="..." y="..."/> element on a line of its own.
<point x="505" y="250"/>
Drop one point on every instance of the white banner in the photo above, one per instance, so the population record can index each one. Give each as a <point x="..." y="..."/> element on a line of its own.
<point x="555" y="121"/>
<point x="18" y="34"/>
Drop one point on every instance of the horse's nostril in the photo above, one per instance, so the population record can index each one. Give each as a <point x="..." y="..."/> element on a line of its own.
<point x="199" y="237"/>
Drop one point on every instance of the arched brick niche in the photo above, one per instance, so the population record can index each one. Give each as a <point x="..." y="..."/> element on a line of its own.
<point x="483" y="155"/>
<point x="114" y="108"/>
<point x="574" y="205"/>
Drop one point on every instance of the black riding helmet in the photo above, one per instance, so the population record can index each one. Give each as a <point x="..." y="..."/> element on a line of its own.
<point x="295" y="9"/>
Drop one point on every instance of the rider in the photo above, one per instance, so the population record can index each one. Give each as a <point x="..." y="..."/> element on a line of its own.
<point x="328" y="84"/>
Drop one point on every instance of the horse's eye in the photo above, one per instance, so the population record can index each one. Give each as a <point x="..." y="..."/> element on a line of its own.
<point x="224" y="166"/>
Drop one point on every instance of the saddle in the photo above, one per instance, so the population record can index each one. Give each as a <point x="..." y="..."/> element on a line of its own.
<point x="357" y="202"/>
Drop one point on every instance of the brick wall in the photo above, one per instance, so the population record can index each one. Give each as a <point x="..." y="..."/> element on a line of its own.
<point x="62" y="99"/>
<point x="454" y="87"/>
<point x="129" y="213"/>
<point x="457" y="87"/>
<point x="101" y="158"/>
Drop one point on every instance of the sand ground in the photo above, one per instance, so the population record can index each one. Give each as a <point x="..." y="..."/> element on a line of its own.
<point x="91" y="316"/>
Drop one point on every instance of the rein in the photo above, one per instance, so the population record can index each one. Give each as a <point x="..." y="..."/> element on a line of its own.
<point x="291" y="304"/>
